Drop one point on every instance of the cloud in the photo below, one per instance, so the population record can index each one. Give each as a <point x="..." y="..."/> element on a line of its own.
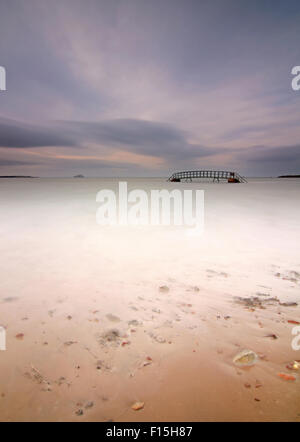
<point x="21" y="135"/>
<point x="282" y="154"/>
<point x="140" y="136"/>
<point x="13" y="163"/>
<point x="131" y="135"/>
<point x="269" y="161"/>
<point x="132" y="144"/>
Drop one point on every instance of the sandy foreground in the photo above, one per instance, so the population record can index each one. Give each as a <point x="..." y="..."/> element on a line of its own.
<point x="98" y="319"/>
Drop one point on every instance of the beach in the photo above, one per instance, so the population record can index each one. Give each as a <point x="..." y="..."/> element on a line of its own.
<point x="100" y="318"/>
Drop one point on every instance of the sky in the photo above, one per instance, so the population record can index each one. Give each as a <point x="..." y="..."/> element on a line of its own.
<point x="149" y="87"/>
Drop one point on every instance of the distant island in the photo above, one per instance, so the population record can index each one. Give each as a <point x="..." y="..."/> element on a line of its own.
<point x="18" y="176"/>
<point x="289" y="176"/>
<point x="78" y="176"/>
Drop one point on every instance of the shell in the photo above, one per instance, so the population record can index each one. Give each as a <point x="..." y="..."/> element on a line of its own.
<point x="245" y="358"/>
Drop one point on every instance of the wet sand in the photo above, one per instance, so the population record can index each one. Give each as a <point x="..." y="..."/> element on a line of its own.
<point x="90" y="332"/>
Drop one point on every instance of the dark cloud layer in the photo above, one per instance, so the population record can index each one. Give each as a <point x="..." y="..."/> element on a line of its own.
<point x="153" y="139"/>
<point x="138" y="136"/>
<point x="281" y="154"/>
<point x="12" y="163"/>
<point x="20" y="135"/>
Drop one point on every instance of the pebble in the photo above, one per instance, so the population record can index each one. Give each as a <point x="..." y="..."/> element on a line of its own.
<point x="138" y="406"/>
<point x="89" y="404"/>
<point x="164" y="289"/>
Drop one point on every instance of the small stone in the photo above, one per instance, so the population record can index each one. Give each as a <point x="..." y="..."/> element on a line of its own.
<point x="164" y="289"/>
<point x="79" y="412"/>
<point x="271" y="335"/>
<point x="113" y="318"/>
<point x="89" y="404"/>
<point x="138" y="406"/>
<point x="288" y="304"/>
<point x="125" y="343"/>
<point x="134" y="322"/>
<point x="68" y="343"/>
<point x="293" y="365"/>
<point x="158" y="338"/>
<point x="102" y="365"/>
<point x="111" y="335"/>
